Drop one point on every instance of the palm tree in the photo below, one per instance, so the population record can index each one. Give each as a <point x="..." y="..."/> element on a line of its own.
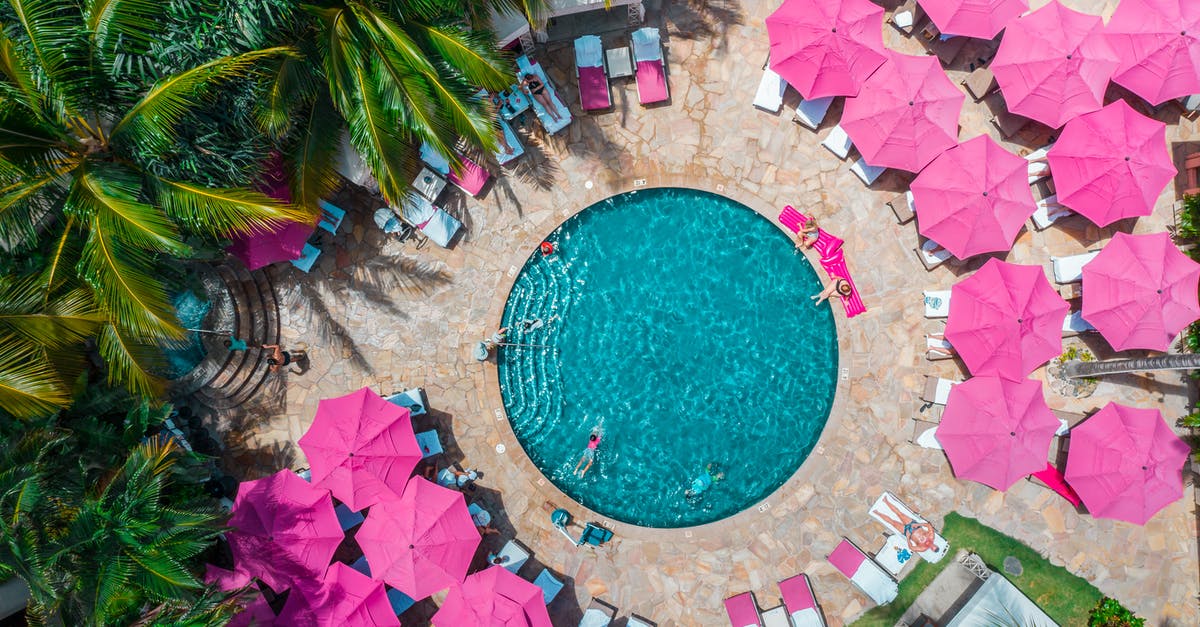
<point x="1088" y="369"/>
<point x="84" y="189"/>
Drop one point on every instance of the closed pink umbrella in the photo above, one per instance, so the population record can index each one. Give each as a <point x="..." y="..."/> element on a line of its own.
<point x="1141" y="291"/>
<point x="493" y="597"/>
<point x="906" y="114"/>
<point x="973" y="198"/>
<point x="826" y="47"/>
<point x="973" y="18"/>
<point x="1111" y="164"/>
<point x="996" y="431"/>
<point x="1126" y="463"/>
<point x="422" y="542"/>
<point x="361" y="448"/>
<point x="1005" y="320"/>
<point x="284" y="530"/>
<point x="1158" y="43"/>
<point x="344" y="598"/>
<point x="1054" y="64"/>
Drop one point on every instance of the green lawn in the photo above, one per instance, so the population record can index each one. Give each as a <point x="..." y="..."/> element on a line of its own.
<point x="1067" y="598"/>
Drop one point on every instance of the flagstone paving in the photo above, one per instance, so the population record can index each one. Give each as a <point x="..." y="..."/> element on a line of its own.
<point x="380" y="313"/>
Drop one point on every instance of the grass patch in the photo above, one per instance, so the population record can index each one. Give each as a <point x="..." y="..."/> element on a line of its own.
<point x="1067" y="598"/>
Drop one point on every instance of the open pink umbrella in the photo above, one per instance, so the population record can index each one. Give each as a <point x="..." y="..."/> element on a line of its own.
<point x="1141" y="291"/>
<point x="422" y="542"/>
<point x="361" y="448"/>
<point x="1158" y="42"/>
<point x="264" y="247"/>
<point x="1005" y="320"/>
<point x="826" y="47"/>
<point x="493" y="597"/>
<point x="973" y="198"/>
<point x="1126" y="463"/>
<point x="344" y="598"/>
<point x="257" y="613"/>
<point x="1054" y="64"/>
<point x="906" y="114"/>
<point x="1111" y="164"/>
<point x="973" y="18"/>
<point x="284" y="530"/>
<point x="995" y="430"/>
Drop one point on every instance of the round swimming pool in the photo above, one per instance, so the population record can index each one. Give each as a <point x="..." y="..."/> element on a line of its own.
<point x="677" y="324"/>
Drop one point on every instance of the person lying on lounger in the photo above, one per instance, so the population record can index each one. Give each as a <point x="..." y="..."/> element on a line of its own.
<point x="920" y="535"/>
<point x="809" y="230"/>
<point x="536" y="88"/>
<point x="837" y="285"/>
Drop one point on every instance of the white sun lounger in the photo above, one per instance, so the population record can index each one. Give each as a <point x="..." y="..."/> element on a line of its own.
<point x="801" y="604"/>
<point x="651" y="68"/>
<point x="928" y="439"/>
<point x="866" y="172"/>
<point x="864" y="573"/>
<point x="812" y="112"/>
<point x="937" y="303"/>
<point x="929" y="258"/>
<point x="1038" y="171"/>
<point x="433" y="221"/>
<point x="1042" y="217"/>
<point x="769" y="96"/>
<point x="1074" y="324"/>
<point x="513" y="142"/>
<point x="525" y="66"/>
<point x="931" y="342"/>
<point x="838" y="142"/>
<point x="880" y="509"/>
<point x="1070" y="269"/>
<point x="937" y="390"/>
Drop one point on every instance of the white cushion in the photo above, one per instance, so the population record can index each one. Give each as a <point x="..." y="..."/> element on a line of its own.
<point x="838" y="142"/>
<point x="770" y="91"/>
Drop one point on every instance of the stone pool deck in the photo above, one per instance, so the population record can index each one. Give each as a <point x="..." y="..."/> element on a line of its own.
<point x="382" y="314"/>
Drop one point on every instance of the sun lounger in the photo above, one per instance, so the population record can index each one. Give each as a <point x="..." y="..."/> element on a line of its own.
<point x="597" y="614"/>
<point x="473" y="178"/>
<point x="651" y="71"/>
<point x="513" y="556"/>
<point x="1074" y="324"/>
<point x="433" y="221"/>
<point x="835" y="266"/>
<point x="793" y="220"/>
<point x="429" y="443"/>
<point x="414" y="399"/>
<point x="589" y="67"/>
<point x="800" y="602"/>
<point x="838" y="142"/>
<point x="776" y="617"/>
<point x="308" y="256"/>
<point x="331" y="216"/>
<point x="937" y="390"/>
<point x="743" y="610"/>
<point x="1053" y="479"/>
<point x="513" y="142"/>
<point x="925" y="434"/>
<point x="811" y="112"/>
<point x="769" y="96"/>
<point x="866" y="172"/>
<point x="1070" y="269"/>
<point x="515" y="102"/>
<point x="346" y="518"/>
<point x="894" y="556"/>
<point x="399" y="601"/>
<point x="902" y="206"/>
<point x="980" y="83"/>
<point x="929" y="258"/>
<point x="1009" y="124"/>
<point x="526" y="66"/>
<point x="549" y="584"/>
<point x="1068" y="418"/>
<point x="1191" y="106"/>
<point x="864" y="573"/>
<point x="931" y="342"/>
<point x="880" y="510"/>
<point x="937" y="303"/>
<point x="1042" y="218"/>
<point x="1039" y="170"/>
<point x="905" y="17"/>
<point x="638" y="621"/>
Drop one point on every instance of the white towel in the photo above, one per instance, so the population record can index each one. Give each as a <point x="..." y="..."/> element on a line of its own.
<point x="937" y="303"/>
<point x="589" y="52"/>
<point x="647" y="46"/>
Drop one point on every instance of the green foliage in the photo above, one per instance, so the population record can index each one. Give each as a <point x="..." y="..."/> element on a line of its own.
<point x="1110" y="613"/>
<point x="1187" y="228"/>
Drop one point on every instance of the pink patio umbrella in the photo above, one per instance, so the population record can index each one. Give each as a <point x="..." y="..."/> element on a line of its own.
<point x="973" y="18"/>
<point x="344" y="598"/>
<point x="973" y="198"/>
<point x="361" y="448"/>
<point x="1054" y="64"/>
<point x="995" y="430"/>
<point x="1126" y="463"/>
<point x="1140" y="291"/>
<point x="284" y="530"/>
<point x="826" y="47"/>
<point x="257" y="613"/>
<point x="493" y="597"/>
<point x="422" y="542"/>
<point x="906" y="114"/>
<point x="263" y="247"/>
<point x="1005" y="320"/>
<point x="1111" y="164"/>
<point x="1158" y="43"/>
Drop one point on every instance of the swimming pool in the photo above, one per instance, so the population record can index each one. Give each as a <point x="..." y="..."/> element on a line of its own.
<point x="679" y="325"/>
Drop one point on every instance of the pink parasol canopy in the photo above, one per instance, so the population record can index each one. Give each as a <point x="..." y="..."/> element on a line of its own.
<point x="344" y="598"/>
<point x="906" y="114"/>
<point x="826" y="47"/>
<point x="973" y="18"/>
<point x="1126" y="463"/>
<point x="1005" y="320"/>
<point x="1141" y="291"/>
<point x="361" y="448"/>
<point x="973" y="198"/>
<point x="1054" y="64"/>
<point x="493" y="597"/>
<point x="264" y="247"/>
<point x="284" y="530"/>
<point x="1111" y="164"/>
<point x="422" y="542"/>
<point x="257" y="613"/>
<point x="1158" y="43"/>
<point x="996" y="431"/>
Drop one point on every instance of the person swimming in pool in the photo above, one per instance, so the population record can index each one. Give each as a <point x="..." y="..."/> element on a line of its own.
<point x="589" y="454"/>
<point x="712" y="474"/>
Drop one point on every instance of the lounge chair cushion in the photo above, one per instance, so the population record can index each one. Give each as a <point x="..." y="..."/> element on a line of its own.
<point x="513" y="142"/>
<point x="525" y="66"/>
<point x="593" y="89"/>
<point x="429" y="443"/>
<point x="399" y="601"/>
<point x="937" y="303"/>
<point x="651" y="70"/>
<point x="866" y="172"/>
<point x="473" y="178"/>
<point x="589" y="51"/>
<point x="776" y="617"/>
<point x="863" y="572"/>
<point x="549" y="584"/>
<point x="838" y="142"/>
<point x="811" y="112"/>
<point x="894" y="555"/>
<point x="928" y="439"/>
<point x="440" y="226"/>
<point x="1042" y="217"/>
<point x="770" y="91"/>
<point x="801" y="604"/>
<point x="930" y="258"/>
<point x="743" y="610"/>
<point x="880" y="509"/>
<point x="1075" y="324"/>
<point x="308" y="256"/>
<point x="434" y="159"/>
<point x="1070" y="269"/>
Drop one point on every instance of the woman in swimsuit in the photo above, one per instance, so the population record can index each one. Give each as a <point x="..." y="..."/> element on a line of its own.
<point x="810" y="230"/>
<point x="589" y="454"/>
<point x="919" y="534"/>
<point x="534" y="87"/>
<point x="838" y="284"/>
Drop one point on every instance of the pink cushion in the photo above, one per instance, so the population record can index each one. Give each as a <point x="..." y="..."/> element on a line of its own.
<point x="652" y="82"/>
<point x="797" y="594"/>
<point x="847" y="558"/>
<point x="742" y="610"/>
<point x="593" y="89"/>
<point x="473" y="177"/>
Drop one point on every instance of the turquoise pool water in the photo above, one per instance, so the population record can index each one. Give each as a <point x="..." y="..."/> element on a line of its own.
<point x="680" y="327"/>
<point x="185" y="356"/>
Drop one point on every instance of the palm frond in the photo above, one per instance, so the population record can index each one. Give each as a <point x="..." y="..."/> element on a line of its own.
<point x="50" y="30"/>
<point x="221" y="211"/>
<point x="60" y="256"/>
<point x="29" y="385"/>
<point x="26" y="312"/>
<point x="106" y="195"/>
<point x="126" y="284"/>
<point x="22" y="206"/>
<point x="17" y="73"/>
<point x="281" y="90"/>
<point x="471" y="53"/>
<point x="126" y="25"/>
<point x="312" y="155"/>
<point x="131" y="364"/>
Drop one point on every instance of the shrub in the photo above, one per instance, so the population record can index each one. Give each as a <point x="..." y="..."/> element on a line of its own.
<point x="1110" y="613"/>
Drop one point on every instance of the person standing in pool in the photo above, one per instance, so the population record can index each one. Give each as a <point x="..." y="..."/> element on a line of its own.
<point x="589" y="454"/>
<point x="712" y="474"/>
